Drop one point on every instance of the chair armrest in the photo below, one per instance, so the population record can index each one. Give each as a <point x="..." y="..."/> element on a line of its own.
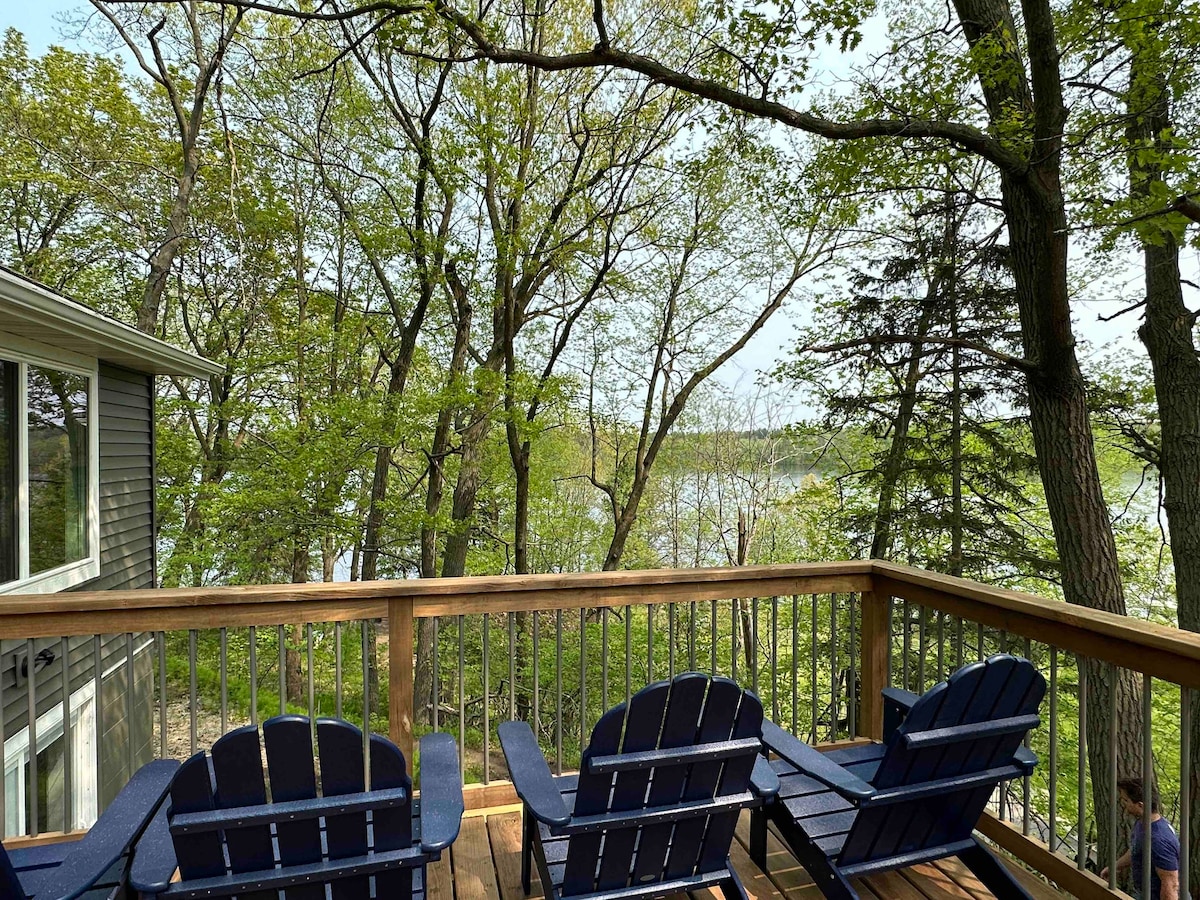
<point x="113" y="834"/>
<point x="1026" y="759"/>
<point x="154" y="859"/>
<point x="530" y="775"/>
<point x="441" y="792"/>
<point x="815" y="764"/>
<point x="896" y="705"/>
<point x="763" y="780"/>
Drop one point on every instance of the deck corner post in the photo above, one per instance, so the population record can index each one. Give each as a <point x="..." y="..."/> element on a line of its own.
<point x="874" y="669"/>
<point x="401" y="659"/>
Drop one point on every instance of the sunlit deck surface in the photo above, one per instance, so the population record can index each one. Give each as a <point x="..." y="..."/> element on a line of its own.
<point x="485" y="864"/>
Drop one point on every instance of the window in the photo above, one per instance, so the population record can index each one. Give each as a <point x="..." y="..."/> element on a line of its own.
<point x="49" y="485"/>
<point x="53" y="744"/>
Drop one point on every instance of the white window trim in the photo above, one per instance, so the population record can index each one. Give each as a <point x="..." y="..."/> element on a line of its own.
<point x="24" y="353"/>
<point x="85" y="777"/>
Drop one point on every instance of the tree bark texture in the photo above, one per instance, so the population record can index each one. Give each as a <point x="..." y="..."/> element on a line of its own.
<point x="1168" y="334"/>
<point x="1058" y="410"/>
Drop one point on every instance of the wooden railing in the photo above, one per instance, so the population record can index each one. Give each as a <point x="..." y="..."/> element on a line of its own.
<point x="849" y="625"/>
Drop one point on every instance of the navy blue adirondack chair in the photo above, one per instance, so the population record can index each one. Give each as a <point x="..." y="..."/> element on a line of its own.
<point x="654" y="806"/>
<point x="227" y="839"/>
<point x="96" y="865"/>
<point x="917" y="796"/>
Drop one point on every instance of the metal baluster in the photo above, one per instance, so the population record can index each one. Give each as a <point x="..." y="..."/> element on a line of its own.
<point x="31" y="795"/>
<point x="160" y="641"/>
<point x="583" y="678"/>
<point x="312" y="685"/>
<point x="97" y="686"/>
<point x="649" y="643"/>
<point x="670" y="644"/>
<point x="691" y="638"/>
<point x="1185" y="787"/>
<point x="1053" y="811"/>
<point x="1114" y="807"/>
<point x="628" y="653"/>
<point x="462" y="699"/>
<point x="281" y="635"/>
<point x="1148" y="788"/>
<point x="604" y="658"/>
<point x="922" y="647"/>
<point x="735" y="628"/>
<point x="852" y="680"/>
<point x="130" y="759"/>
<point x="537" y="676"/>
<point x="941" y="642"/>
<point x="979" y="637"/>
<point x="337" y="673"/>
<point x="795" y="664"/>
<point x="253" y="675"/>
<point x="713" y="627"/>
<point x="958" y="642"/>
<point x="366" y="699"/>
<point x="436" y="712"/>
<point x="68" y="755"/>
<point x="833" y="667"/>
<point x="775" y="658"/>
<point x="1026" y="780"/>
<point x="487" y="699"/>
<point x="1081" y="773"/>
<point x="223" y="665"/>
<point x="754" y="644"/>
<point x="1003" y="641"/>
<point x="905" y="646"/>
<point x="813" y="671"/>
<point x="512" y="667"/>
<point x="558" y="710"/>
<point x="192" y="688"/>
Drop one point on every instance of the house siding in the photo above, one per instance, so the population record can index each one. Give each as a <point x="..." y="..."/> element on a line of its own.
<point x="125" y="694"/>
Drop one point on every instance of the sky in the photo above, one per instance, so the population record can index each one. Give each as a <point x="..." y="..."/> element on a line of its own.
<point x="41" y="23"/>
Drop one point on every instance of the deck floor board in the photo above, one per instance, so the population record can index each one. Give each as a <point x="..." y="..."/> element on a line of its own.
<point x="485" y="864"/>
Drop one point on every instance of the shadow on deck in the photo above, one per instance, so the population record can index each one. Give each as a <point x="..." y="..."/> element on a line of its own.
<point x="485" y="864"/>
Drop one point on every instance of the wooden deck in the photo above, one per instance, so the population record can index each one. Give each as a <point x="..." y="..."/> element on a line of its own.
<point x="484" y="864"/>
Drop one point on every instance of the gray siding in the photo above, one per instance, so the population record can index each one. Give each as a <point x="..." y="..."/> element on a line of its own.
<point x="126" y="480"/>
<point x="127" y="560"/>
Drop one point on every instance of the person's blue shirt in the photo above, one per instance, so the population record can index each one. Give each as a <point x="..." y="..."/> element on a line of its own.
<point x="1164" y="854"/>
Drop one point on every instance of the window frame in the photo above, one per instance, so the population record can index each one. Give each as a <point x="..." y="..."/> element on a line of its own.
<point x="25" y="353"/>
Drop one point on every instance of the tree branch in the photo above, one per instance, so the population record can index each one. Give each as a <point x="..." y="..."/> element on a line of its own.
<point x="1023" y="365"/>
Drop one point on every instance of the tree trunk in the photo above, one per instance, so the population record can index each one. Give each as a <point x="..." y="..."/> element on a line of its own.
<point x="1066" y="458"/>
<point x="881" y="543"/>
<point x="1168" y="334"/>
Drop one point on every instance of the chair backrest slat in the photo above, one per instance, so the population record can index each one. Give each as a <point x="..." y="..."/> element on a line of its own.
<point x="199" y="855"/>
<point x="237" y="765"/>
<point x="391" y="829"/>
<point x="1000" y="687"/>
<point x="340" y="747"/>
<point x="684" y="714"/>
<point x="292" y="772"/>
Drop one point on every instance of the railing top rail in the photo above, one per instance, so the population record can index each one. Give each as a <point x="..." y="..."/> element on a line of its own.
<point x="100" y="612"/>
<point x="1159" y="650"/>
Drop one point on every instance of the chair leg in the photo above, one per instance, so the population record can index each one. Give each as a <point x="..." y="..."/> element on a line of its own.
<point x="993" y="873"/>
<point x="758" y="838"/>
<point x="528" y="823"/>
<point x="732" y="888"/>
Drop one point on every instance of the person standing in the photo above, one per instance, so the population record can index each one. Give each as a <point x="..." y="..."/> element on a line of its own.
<point x="1164" y="843"/>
